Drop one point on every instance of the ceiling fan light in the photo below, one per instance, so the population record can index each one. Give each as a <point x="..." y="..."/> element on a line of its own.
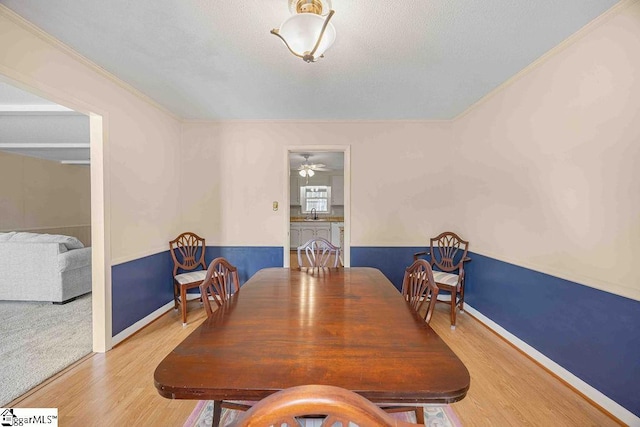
<point x="310" y="172"/>
<point x="301" y="32"/>
<point x="303" y="172"/>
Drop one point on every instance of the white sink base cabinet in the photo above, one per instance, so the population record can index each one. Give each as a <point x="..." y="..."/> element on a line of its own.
<point x="301" y="232"/>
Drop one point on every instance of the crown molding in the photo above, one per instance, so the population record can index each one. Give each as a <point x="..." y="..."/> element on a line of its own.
<point x="48" y="38"/>
<point x="318" y="121"/>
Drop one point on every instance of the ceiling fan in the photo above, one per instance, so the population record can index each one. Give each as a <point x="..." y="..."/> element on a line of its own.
<point x="309" y="169"/>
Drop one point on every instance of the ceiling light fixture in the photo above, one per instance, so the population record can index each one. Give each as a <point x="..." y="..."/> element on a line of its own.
<point x="307" y="34"/>
<point x="306" y="172"/>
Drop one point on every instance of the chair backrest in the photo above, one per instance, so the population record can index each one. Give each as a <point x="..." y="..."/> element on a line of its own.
<point x="220" y="283"/>
<point x="187" y="252"/>
<point x="448" y="251"/>
<point x="318" y="252"/>
<point x="330" y="404"/>
<point x="419" y="287"/>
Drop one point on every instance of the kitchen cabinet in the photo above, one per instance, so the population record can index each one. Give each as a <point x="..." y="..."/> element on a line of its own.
<point x="294" y="191"/>
<point x="301" y="232"/>
<point x="336" y="233"/>
<point x="307" y="233"/>
<point x="337" y="190"/>
<point x="294" y="236"/>
<point x="324" y="231"/>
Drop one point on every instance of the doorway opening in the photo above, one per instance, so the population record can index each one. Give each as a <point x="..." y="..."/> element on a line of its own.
<point x="318" y="205"/>
<point x="98" y="225"/>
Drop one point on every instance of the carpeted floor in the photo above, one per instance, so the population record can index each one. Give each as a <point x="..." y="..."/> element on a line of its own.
<point x="38" y="340"/>
<point x="434" y="416"/>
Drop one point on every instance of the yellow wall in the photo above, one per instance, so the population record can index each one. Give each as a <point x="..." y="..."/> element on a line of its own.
<point x="42" y="194"/>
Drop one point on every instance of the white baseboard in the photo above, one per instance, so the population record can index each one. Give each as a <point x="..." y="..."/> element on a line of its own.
<point x="118" y="338"/>
<point x="596" y="396"/>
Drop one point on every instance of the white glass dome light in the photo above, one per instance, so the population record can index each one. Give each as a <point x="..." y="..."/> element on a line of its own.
<point x="308" y="32"/>
<point x="302" y="31"/>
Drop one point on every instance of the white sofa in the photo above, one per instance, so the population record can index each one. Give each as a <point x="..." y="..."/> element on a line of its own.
<point x="43" y="267"/>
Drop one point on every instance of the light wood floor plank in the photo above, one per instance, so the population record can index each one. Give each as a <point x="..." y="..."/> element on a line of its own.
<point x="507" y="388"/>
<point x="116" y="388"/>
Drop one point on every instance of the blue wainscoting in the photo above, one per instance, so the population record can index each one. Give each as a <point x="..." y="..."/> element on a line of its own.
<point x="593" y="334"/>
<point x="248" y="259"/>
<point x="392" y="261"/>
<point x="141" y="286"/>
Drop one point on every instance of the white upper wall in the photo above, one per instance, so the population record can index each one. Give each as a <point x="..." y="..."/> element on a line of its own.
<point x="141" y="140"/>
<point x="233" y="172"/>
<point x="550" y="161"/>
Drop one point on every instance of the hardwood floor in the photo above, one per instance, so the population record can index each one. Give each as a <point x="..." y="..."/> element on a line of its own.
<point x="116" y="388"/>
<point x="507" y="388"/>
<point x="293" y="260"/>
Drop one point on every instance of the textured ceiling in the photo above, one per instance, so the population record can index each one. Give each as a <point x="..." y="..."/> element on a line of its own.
<point x="216" y="60"/>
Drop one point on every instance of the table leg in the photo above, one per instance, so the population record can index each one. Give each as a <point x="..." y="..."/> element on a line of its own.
<point x="217" y="413"/>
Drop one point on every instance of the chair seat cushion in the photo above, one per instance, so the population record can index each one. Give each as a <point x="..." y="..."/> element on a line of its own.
<point x="445" y="278"/>
<point x="191" y="276"/>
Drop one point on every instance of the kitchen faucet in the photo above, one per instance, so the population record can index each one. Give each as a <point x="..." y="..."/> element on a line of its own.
<point x="314" y="213"/>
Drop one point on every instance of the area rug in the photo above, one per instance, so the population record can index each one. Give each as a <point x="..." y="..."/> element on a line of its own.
<point x="38" y="340"/>
<point x="434" y="416"/>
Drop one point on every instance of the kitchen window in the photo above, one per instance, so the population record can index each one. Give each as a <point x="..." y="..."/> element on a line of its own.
<point x="316" y="197"/>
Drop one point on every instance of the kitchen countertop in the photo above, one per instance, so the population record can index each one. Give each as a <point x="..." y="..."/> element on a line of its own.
<point x="320" y="219"/>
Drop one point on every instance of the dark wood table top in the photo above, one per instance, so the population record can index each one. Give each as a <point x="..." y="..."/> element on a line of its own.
<point x="349" y="328"/>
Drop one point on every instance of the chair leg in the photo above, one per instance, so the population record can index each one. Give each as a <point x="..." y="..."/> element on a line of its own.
<point x="462" y="300"/>
<point x="418" y="410"/>
<point x="217" y="413"/>
<point x="175" y="296"/>
<point x="183" y="304"/>
<point x="454" y="298"/>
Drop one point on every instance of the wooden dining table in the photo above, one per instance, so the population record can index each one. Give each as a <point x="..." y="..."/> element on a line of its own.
<point x="347" y="327"/>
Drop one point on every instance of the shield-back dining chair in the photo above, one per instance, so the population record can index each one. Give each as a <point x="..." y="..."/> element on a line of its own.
<point x="328" y="405"/>
<point x="418" y="288"/>
<point x="319" y="253"/>
<point x="219" y="284"/>
<point x="189" y="268"/>
<point x="447" y="255"/>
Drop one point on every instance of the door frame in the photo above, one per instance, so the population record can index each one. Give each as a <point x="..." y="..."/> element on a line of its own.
<point x="303" y="149"/>
<point x="100" y="202"/>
